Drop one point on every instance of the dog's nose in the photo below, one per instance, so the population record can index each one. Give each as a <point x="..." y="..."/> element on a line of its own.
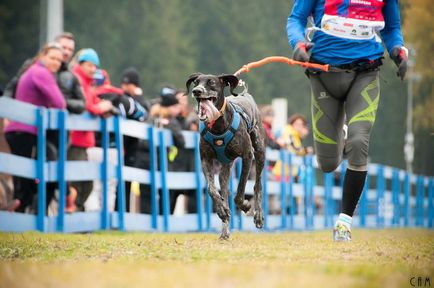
<point x="197" y="91"/>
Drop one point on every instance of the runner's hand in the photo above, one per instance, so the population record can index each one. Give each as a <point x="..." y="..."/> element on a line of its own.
<point x="399" y="55"/>
<point x="300" y="52"/>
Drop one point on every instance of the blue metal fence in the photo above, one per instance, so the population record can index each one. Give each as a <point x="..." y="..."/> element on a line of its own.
<point x="308" y="204"/>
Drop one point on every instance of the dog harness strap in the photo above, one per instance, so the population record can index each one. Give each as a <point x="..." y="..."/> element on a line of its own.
<point x="245" y="116"/>
<point x="220" y="142"/>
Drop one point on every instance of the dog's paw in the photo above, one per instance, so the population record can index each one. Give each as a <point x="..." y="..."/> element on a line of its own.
<point x="224" y="237"/>
<point x="223" y="212"/>
<point x="258" y="219"/>
<point x="243" y="205"/>
<point x="225" y="231"/>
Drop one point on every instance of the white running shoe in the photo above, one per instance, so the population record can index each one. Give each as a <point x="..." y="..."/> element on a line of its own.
<point x="341" y="233"/>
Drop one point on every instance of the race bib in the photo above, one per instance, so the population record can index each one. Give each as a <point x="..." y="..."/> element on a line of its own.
<point x="350" y="28"/>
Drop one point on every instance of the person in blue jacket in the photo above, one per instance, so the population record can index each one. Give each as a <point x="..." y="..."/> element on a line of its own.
<point x="348" y="35"/>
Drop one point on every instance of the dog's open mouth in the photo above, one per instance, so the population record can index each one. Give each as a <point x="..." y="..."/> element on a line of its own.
<point x="206" y="110"/>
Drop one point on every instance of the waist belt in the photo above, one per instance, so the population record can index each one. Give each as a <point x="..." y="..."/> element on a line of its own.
<point x="356" y="66"/>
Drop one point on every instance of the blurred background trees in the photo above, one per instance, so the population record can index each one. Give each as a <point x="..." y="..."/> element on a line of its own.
<point x="168" y="40"/>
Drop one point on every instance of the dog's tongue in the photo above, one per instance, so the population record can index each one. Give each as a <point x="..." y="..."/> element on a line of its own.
<point x="208" y="111"/>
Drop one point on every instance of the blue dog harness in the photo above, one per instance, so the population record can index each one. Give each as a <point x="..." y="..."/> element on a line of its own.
<point x="220" y="142"/>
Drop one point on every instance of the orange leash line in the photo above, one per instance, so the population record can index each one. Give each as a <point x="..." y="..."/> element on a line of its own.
<point x="281" y="59"/>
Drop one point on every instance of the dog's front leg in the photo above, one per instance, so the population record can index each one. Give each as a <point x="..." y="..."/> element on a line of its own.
<point x="242" y="203"/>
<point x="224" y="191"/>
<point x="219" y="201"/>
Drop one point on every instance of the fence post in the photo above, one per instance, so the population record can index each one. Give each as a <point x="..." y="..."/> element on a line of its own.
<point x="343" y="172"/>
<point x="283" y="187"/>
<point x="153" y="172"/>
<point x="311" y="173"/>
<point x="265" y="194"/>
<point x="290" y="193"/>
<point x="121" y="184"/>
<point x="163" y="174"/>
<point x="328" y="198"/>
<point x="61" y="162"/>
<point x="41" y="124"/>
<point x="105" y="217"/>
<point x="239" y="212"/>
<point x="420" y="189"/>
<point x="430" y="202"/>
<point x="380" y="196"/>
<point x="231" y="199"/>
<point x="308" y="192"/>
<point x="208" y="204"/>
<point x="199" y="188"/>
<point x="396" y="187"/>
<point x="363" y="207"/>
<point x="407" y="186"/>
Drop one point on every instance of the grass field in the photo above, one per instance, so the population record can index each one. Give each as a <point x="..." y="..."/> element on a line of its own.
<point x="375" y="258"/>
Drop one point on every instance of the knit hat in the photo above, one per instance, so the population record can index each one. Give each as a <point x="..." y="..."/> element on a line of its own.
<point x="168" y="100"/>
<point x="167" y="90"/>
<point x="130" y="76"/>
<point x="89" y="55"/>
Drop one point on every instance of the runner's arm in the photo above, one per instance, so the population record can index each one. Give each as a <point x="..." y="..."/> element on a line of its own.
<point x="391" y="33"/>
<point x="297" y="21"/>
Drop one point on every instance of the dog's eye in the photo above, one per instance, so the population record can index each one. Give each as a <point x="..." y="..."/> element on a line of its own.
<point x="211" y="82"/>
<point x="196" y="82"/>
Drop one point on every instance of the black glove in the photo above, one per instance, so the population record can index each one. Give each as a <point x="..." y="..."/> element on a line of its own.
<point x="399" y="56"/>
<point x="300" y="52"/>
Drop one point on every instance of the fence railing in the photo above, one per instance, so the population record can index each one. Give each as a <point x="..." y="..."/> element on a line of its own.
<point x="391" y="197"/>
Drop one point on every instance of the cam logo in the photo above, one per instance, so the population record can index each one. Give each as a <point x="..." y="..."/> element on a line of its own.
<point x="420" y="282"/>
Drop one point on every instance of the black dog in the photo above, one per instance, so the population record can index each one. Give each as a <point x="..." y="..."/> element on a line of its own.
<point x="230" y="127"/>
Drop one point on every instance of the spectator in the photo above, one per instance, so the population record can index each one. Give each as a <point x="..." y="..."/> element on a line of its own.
<point x="69" y="86"/>
<point x="37" y="85"/>
<point x="136" y="151"/>
<point x="294" y="133"/>
<point x="84" y="69"/>
<point x="68" y="82"/>
<point x="71" y="90"/>
<point x="292" y="137"/>
<point x="128" y="99"/>
<point x="184" y="161"/>
<point x="164" y="116"/>
<point x="267" y="116"/>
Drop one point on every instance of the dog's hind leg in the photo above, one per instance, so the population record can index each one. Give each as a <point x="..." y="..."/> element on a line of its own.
<point x="224" y="191"/>
<point x="242" y="203"/>
<point x="259" y="146"/>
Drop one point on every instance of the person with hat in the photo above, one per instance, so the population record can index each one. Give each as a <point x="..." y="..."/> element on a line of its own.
<point x="134" y="106"/>
<point x="85" y="69"/>
<point x="164" y="115"/>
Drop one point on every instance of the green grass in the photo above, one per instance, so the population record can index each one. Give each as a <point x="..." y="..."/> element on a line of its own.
<point x="375" y="258"/>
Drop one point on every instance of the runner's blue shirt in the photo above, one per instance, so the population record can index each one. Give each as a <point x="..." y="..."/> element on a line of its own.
<point x="346" y="30"/>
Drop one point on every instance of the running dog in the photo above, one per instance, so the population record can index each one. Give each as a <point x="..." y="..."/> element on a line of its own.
<point x="230" y="127"/>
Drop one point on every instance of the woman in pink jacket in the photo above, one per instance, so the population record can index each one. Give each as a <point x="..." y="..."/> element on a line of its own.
<point x="37" y="86"/>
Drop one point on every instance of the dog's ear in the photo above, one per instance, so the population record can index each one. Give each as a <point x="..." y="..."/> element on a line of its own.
<point x="190" y="79"/>
<point x="231" y="80"/>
